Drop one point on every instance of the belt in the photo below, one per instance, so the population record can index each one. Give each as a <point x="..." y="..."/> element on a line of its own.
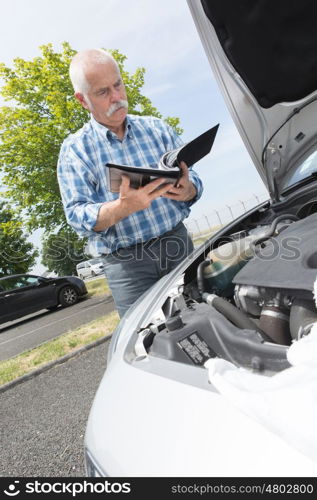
<point x="148" y="242"/>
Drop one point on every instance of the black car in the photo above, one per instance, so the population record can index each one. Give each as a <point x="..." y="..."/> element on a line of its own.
<point x="22" y="294"/>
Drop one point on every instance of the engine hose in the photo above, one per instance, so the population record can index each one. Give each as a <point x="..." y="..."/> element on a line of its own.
<point x="235" y="315"/>
<point x="200" y="275"/>
<point x="303" y="315"/>
<point x="272" y="229"/>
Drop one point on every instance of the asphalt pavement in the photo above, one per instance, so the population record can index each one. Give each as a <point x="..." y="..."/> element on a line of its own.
<point x="30" y="331"/>
<point x="43" y="420"/>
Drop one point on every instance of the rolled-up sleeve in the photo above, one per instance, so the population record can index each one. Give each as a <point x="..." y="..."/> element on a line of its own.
<point x="195" y="179"/>
<point x="78" y="192"/>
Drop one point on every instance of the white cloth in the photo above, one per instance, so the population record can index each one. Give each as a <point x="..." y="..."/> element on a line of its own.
<point x="285" y="403"/>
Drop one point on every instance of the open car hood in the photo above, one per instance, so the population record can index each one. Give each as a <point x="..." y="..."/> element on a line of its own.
<point x="263" y="55"/>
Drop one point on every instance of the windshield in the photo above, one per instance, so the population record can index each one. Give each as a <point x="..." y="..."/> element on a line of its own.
<point x="308" y="167"/>
<point x="95" y="261"/>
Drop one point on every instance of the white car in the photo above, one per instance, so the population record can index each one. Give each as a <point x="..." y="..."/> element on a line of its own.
<point x="90" y="268"/>
<point x="213" y="372"/>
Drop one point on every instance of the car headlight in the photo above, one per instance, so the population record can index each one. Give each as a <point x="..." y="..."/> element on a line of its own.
<point x="92" y="469"/>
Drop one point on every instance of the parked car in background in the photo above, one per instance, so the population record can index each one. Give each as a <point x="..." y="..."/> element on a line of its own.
<point x="90" y="268"/>
<point x="213" y="371"/>
<point x="23" y="294"/>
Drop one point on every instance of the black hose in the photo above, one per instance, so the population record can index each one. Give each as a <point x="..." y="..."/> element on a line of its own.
<point x="235" y="315"/>
<point x="272" y="228"/>
<point x="200" y="275"/>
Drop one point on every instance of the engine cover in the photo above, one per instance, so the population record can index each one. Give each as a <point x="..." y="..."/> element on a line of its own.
<point x="288" y="261"/>
<point x="200" y="332"/>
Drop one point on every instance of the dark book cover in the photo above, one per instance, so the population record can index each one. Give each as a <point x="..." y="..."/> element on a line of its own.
<point x="168" y="166"/>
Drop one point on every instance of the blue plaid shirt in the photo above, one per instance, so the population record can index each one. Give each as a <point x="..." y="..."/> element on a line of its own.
<point x="82" y="181"/>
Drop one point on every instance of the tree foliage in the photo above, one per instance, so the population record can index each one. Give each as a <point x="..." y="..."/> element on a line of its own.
<point x="40" y="112"/>
<point x="62" y="251"/>
<point x="17" y="255"/>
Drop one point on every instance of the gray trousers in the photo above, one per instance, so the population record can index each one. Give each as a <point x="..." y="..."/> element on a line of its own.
<point x="133" y="270"/>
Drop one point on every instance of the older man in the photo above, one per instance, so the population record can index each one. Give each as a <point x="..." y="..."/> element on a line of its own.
<point x="138" y="231"/>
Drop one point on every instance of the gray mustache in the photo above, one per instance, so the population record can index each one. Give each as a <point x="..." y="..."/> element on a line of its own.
<point x="115" y="106"/>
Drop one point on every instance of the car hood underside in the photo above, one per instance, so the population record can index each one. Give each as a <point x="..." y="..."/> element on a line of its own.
<point x="264" y="57"/>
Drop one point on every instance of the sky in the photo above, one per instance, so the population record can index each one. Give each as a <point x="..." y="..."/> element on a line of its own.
<point x="162" y="38"/>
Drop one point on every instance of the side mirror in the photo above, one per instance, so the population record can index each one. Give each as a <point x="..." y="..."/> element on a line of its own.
<point x="42" y="280"/>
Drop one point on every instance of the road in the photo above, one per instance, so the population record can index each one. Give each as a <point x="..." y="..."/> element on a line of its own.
<point x="43" y="420"/>
<point x="30" y="331"/>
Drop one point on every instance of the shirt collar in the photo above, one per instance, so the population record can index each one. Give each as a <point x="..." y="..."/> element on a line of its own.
<point x="108" y="134"/>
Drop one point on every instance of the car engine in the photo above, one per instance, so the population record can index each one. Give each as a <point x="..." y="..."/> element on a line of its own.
<point x="245" y="300"/>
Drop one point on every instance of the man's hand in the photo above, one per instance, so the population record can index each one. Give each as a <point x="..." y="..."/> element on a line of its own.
<point x="185" y="189"/>
<point x="133" y="200"/>
<point x="130" y="200"/>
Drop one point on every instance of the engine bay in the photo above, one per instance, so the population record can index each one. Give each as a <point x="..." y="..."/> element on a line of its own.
<point x="246" y="298"/>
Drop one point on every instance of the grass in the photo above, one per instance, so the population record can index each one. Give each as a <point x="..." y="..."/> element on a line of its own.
<point x="98" y="287"/>
<point x="200" y="238"/>
<point x="70" y="341"/>
<point x="54" y="349"/>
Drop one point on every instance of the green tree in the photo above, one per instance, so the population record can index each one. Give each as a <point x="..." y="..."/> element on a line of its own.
<point x="62" y="251"/>
<point x="17" y="255"/>
<point x="40" y="112"/>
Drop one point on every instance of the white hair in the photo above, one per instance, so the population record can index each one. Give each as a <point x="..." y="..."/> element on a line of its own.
<point x="80" y="63"/>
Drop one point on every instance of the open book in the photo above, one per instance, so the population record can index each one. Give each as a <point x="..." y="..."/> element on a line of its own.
<point x="168" y="166"/>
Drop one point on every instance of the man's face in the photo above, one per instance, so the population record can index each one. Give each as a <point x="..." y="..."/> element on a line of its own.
<point x="106" y="90"/>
